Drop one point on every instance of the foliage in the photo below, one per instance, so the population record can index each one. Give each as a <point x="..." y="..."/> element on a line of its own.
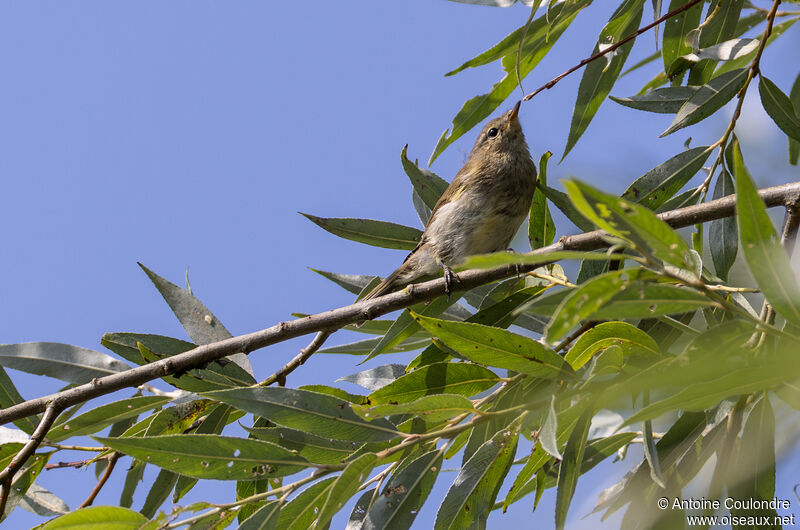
<point x="650" y="330"/>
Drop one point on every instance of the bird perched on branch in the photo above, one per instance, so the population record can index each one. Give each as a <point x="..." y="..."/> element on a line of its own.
<point x="479" y="212"/>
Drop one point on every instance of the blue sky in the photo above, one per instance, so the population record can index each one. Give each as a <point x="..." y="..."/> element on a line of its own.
<point x="191" y="133"/>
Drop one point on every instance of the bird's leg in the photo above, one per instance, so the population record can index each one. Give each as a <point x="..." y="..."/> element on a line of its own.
<point x="516" y="265"/>
<point x="449" y="276"/>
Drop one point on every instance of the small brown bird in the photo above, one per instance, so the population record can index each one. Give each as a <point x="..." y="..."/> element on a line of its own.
<point x="479" y="212"/>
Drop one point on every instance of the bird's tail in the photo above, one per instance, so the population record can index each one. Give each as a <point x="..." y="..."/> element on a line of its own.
<point x="391" y="283"/>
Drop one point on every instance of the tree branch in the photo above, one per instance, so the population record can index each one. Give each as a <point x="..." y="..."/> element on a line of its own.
<point x="365" y="310"/>
<point x="102" y="482"/>
<point x="550" y="84"/>
<point x="7" y="475"/>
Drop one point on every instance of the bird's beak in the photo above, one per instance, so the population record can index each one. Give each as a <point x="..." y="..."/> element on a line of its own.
<point x="512" y="115"/>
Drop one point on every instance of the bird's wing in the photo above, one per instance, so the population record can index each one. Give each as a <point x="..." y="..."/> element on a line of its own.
<point x="453" y="191"/>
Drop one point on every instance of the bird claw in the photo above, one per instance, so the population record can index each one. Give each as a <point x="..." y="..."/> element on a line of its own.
<point x="516" y="265"/>
<point x="449" y="276"/>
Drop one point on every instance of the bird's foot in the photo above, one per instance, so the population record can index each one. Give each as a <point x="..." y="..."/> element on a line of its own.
<point x="449" y="276"/>
<point x="516" y="265"/>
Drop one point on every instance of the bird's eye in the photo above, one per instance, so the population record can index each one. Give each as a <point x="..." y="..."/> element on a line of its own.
<point x="491" y="133"/>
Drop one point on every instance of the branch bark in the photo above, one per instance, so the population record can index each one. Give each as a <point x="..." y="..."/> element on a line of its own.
<point x="783" y="195"/>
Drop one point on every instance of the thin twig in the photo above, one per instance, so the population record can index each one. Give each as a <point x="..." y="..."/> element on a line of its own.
<point x="284" y="490"/>
<point x="299" y="360"/>
<point x="102" y="482"/>
<point x="7" y="475"/>
<point x="367" y="309"/>
<point x="751" y="73"/>
<point x="550" y="84"/>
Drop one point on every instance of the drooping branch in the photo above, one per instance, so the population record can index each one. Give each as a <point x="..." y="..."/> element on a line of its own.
<point x="783" y="195"/>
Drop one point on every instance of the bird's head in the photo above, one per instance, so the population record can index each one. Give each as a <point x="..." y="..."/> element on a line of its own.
<point x="502" y="137"/>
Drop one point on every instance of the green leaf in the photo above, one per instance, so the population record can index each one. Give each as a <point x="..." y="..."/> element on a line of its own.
<point x="661" y="183"/>
<point x="345" y="486"/>
<point x="724" y="51"/>
<point x="541" y="35"/>
<point x="365" y="346"/>
<point x="708" y="99"/>
<point x="596" y="451"/>
<point x="497" y="347"/>
<point x="502" y="259"/>
<point x="686" y="198"/>
<point x="199" y="322"/>
<point x="317" y="449"/>
<point x="651" y="454"/>
<point x="213" y="423"/>
<point x="562" y="202"/>
<point x="428" y="185"/>
<point x="306" y="411"/>
<point x="355" y="283"/>
<point x="109" y="517"/>
<point x="752" y="21"/>
<point x="159" y="492"/>
<point x="465" y="379"/>
<point x="433" y="408"/>
<point x="377" y="377"/>
<point x="72" y="364"/>
<point x="676" y="29"/>
<point x="541" y="229"/>
<point x="722" y="233"/>
<point x="470" y="498"/>
<point x="599" y="77"/>
<point x="569" y="470"/>
<point x="588" y="298"/>
<point x="670" y="448"/>
<point x="265" y="518"/>
<point x="376" y="233"/>
<point x="732" y="382"/>
<point x="757" y="467"/>
<point x="222" y="373"/>
<point x="549" y="430"/>
<point x="22" y="481"/>
<point x="301" y="511"/>
<point x="666" y="100"/>
<point x="762" y="250"/>
<point x="10" y="396"/>
<point x="632" y="222"/>
<point x="398" y="505"/>
<point x="794" y="145"/>
<point x="632" y="340"/>
<point x="211" y="456"/>
<point x="405" y="325"/>
<point x="721" y="27"/>
<point x="779" y="107"/>
<point x="132" y="480"/>
<point x="646" y="300"/>
<point x="103" y="416"/>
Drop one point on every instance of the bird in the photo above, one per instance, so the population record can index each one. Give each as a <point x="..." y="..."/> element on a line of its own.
<point x="479" y="212"/>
